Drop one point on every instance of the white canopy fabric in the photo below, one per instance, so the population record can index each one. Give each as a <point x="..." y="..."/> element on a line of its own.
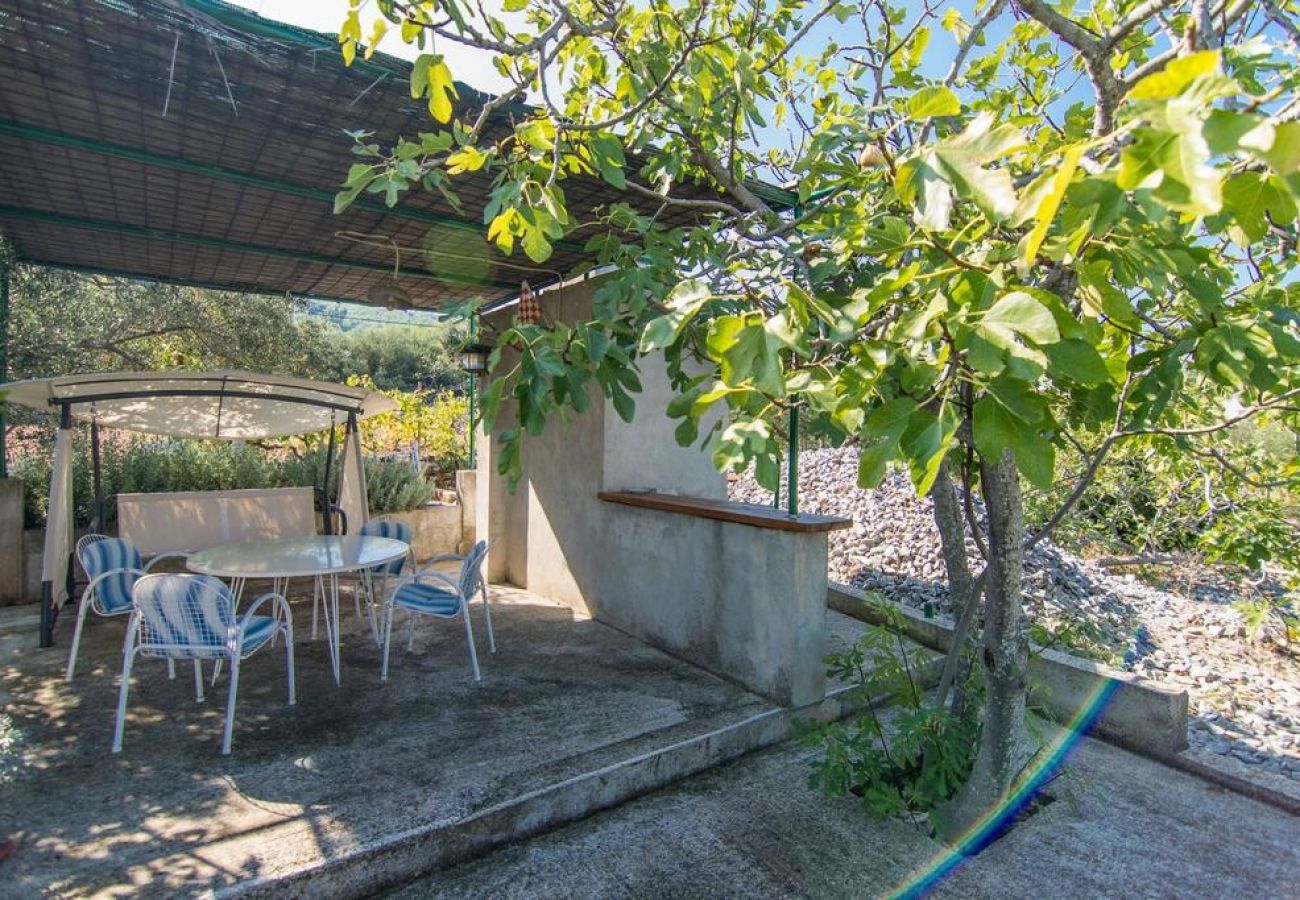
<point x="58" y="525"/>
<point x="352" y="484"/>
<point x="223" y="404"/>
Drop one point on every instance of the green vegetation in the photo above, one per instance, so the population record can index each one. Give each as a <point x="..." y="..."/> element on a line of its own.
<point x="1014" y="233"/>
<point x="906" y="761"/>
<point x="132" y="465"/>
<point x="66" y="322"/>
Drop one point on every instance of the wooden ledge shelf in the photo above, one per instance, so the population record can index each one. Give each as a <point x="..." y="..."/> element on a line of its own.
<point x="727" y="511"/>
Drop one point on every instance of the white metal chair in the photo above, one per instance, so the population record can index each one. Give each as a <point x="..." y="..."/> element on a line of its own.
<point x="398" y="531"/>
<point x="431" y="593"/>
<point x="113" y="566"/>
<point x="193" y="617"/>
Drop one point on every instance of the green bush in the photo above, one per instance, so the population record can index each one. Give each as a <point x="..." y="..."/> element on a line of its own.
<point x="168" y="464"/>
<point x="905" y="765"/>
<point x="393" y="485"/>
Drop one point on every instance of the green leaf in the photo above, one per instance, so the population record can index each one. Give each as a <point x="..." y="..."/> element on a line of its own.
<point x="1256" y="197"/>
<point x="747" y="352"/>
<point x="995" y="429"/>
<point x="1227" y="131"/>
<point x="1021" y="313"/>
<point x="1099" y="296"/>
<point x="623" y="404"/>
<point x="767" y="471"/>
<point x="536" y="245"/>
<point x="1283" y="155"/>
<point x="920" y="185"/>
<point x="1175" y="167"/>
<point x="1051" y="203"/>
<point x="683" y="302"/>
<point x="933" y="101"/>
<point x="1176" y="77"/>
<point x="874" y="462"/>
<point x="1078" y="361"/>
<point x="962" y="161"/>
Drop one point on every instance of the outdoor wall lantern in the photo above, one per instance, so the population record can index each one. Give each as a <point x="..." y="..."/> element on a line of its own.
<point x="474" y="358"/>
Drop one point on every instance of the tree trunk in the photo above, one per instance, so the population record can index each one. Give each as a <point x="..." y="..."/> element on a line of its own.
<point x="950" y="522"/>
<point x="1004" y="744"/>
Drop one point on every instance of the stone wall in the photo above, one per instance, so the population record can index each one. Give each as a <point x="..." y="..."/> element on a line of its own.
<point x="745" y="602"/>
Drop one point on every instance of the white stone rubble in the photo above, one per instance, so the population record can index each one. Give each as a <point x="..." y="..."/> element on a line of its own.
<point x="1244" y="694"/>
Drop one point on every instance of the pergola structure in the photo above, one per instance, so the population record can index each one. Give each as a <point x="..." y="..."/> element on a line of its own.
<point x="194" y="142"/>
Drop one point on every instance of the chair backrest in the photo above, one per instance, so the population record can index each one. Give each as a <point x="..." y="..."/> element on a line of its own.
<point x="398" y="531"/>
<point x="471" y="570"/>
<point x="87" y="539"/>
<point x="185" y="616"/>
<point x="99" y="554"/>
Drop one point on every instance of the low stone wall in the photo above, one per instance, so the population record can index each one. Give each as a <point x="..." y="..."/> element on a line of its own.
<point x="436" y="528"/>
<point x="1139" y="714"/>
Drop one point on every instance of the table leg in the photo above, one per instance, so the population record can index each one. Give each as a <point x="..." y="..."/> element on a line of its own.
<point x="334" y="611"/>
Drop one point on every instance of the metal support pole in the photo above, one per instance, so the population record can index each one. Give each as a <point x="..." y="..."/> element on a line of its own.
<point x="327" y="505"/>
<point x="4" y="364"/>
<point x="792" y="489"/>
<point x="473" y="396"/>
<point x="97" y="525"/>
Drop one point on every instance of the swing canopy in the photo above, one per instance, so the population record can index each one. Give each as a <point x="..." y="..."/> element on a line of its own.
<point x="222" y="404"/>
<point x="230" y="405"/>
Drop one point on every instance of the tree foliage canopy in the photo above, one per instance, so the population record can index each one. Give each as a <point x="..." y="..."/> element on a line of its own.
<point x="1016" y="227"/>
<point x="1074" y="229"/>
<point x="66" y="322"/>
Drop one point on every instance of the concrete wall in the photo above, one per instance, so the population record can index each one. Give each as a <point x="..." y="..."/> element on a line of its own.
<point x="435" y="528"/>
<point x="747" y="603"/>
<point x="12" y="557"/>
<point x="1138" y="713"/>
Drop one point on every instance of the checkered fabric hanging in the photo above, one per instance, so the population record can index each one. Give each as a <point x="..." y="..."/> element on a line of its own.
<point x="530" y="308"/>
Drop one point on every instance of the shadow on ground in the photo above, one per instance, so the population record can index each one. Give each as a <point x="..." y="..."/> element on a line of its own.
<point x="347" y="766"/>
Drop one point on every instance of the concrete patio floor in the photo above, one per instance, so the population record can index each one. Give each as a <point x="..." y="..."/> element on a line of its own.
<point x="355" y="785"/>
<point x="1121" y="826"/>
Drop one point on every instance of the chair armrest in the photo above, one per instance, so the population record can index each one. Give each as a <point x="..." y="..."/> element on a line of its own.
<point x="171" y="554"/>
<point x="278" y="602"/>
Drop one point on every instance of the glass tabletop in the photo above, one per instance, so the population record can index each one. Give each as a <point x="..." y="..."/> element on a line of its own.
<point x="297" y="557"/>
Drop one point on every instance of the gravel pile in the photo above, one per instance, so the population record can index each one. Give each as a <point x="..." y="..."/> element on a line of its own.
<point x="1245" y="695"/>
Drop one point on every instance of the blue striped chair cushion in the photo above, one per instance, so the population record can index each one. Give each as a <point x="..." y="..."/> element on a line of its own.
<point x="114" y="592"/>
<point x="398" y="531"/>
<point x="426" y="597"/>
<point x="191" y="614"/>
<point x="258" y="630"/>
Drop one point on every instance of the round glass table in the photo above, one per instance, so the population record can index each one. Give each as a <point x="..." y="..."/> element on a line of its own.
<point x="320" y="557"/>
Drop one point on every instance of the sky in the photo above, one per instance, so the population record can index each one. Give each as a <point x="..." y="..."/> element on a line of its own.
<point x="473" y="67"/>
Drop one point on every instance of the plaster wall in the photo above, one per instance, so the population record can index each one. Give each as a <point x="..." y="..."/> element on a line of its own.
<point x="11" y="541"/>
<point x="745" y="602"/>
